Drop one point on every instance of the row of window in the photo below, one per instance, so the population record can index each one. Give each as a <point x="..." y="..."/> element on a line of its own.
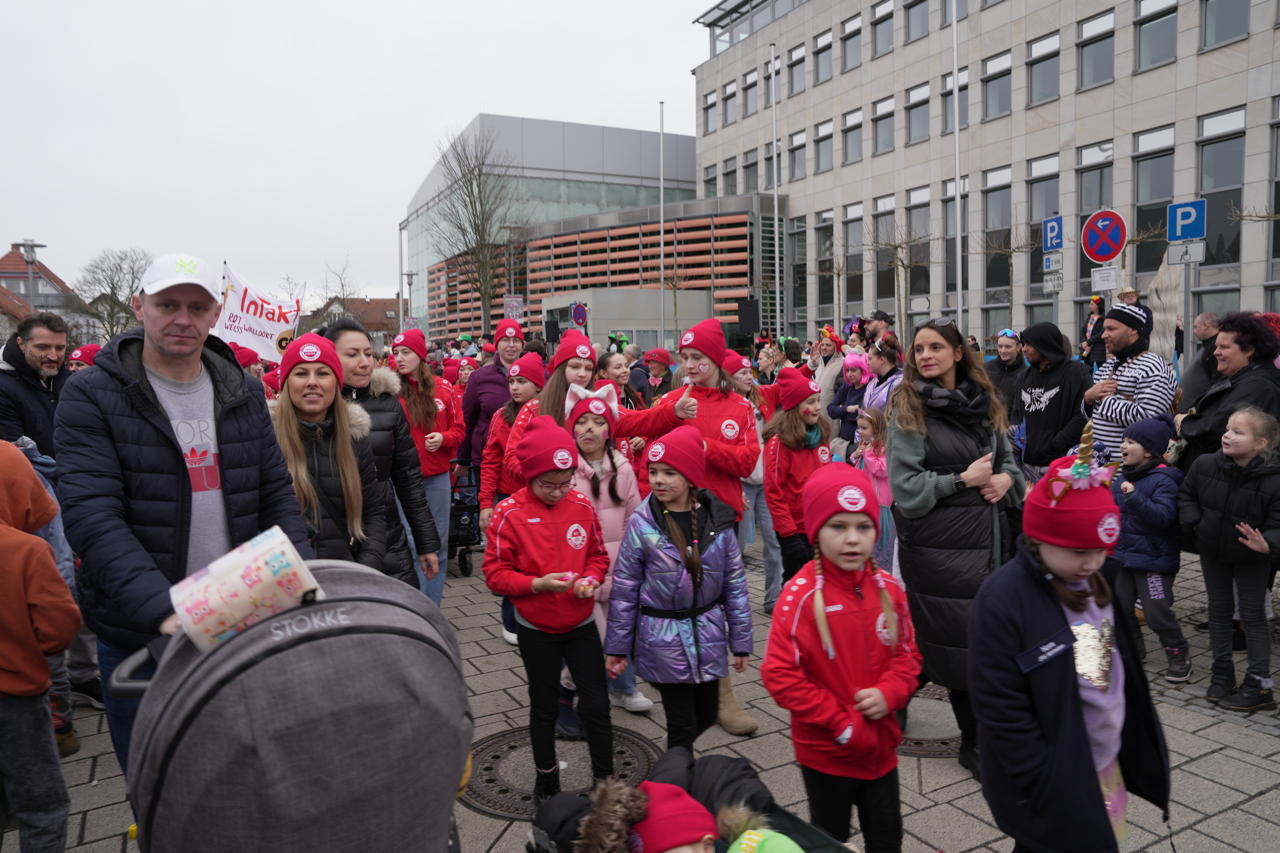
<point x="1155" y="31"/>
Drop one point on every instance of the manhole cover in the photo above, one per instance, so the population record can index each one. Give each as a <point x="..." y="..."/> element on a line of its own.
<point x="934" y="691"/>
<point x="930" y="725"/>
<point x="941" y="747"/>
<point x="502" y="769"/>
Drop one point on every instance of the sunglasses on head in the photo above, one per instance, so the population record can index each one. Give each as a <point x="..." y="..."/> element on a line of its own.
<point x="935" y="323"/>
<point x="1007" y="333"/>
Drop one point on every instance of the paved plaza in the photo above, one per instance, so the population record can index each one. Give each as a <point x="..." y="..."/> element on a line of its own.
<point x="1226" y="777"/>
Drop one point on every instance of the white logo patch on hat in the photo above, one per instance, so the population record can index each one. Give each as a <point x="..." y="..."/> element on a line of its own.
<point x="562" y="459"/>
<point x="596" y="407"/>
<point x="656" y="451"/>
<point x="824" y="454"/>
<point x="576" y="536"/>
<point x="686" y="339"/>
<point x="514" y="371"/>
<point x="398" y="339"/>
<point x="746" y="362"/>
<point x="814" y="387"/>
<point x="729" y="429"/>
<point x="439" y="404"/>
<point x="75" y="355"/>
<point x="583" y="351"/>
<point x="851" y="498"/>
<point x="510" y="332"/>
<point x="309" y="352"/>
<point x="1109" y="528"/>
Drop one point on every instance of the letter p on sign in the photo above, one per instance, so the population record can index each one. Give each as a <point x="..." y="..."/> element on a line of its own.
<point x="1186" y="221"/>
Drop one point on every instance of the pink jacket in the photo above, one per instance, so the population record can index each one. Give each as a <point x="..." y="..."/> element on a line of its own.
<point x="613" y="518"/>
<point x="876" y="468"/>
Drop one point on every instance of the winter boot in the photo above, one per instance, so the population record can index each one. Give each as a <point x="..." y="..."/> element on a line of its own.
<point x="547" y="785"/>
<point x="1250" y="696"/>
<point x="64" y="731"/>
<point x="568" y="723"/>
<point x="1179" y="665"/>
<point x="731" y="717"/>
<point x="1220" y="687"/>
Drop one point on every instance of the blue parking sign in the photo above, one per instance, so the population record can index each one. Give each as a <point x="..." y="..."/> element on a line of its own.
<point x="1185" y="221"/>
<point x="1051" y="234"/>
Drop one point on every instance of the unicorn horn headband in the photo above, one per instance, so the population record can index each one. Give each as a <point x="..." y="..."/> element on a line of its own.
<point x="1084" y="473"/>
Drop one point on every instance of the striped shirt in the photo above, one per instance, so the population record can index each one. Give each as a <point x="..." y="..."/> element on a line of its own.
<point x="1144" y="389"/>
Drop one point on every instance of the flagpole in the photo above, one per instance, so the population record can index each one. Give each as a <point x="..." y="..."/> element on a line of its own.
<point x="777" y="178"/>
<point x="662" y="228"/>
<point x="961" y="320"/>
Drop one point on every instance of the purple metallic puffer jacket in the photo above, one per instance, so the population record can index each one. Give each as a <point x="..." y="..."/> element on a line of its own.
<point x="650" y="574"/>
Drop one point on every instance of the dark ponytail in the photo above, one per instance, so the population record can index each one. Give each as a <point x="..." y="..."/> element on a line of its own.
<point x="1074" y="599"/>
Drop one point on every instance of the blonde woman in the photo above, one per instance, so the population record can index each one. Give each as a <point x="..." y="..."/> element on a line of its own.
<point x="325" y="445"/>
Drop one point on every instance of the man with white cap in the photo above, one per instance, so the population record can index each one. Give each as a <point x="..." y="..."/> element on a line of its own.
<point x="166" y="461"/>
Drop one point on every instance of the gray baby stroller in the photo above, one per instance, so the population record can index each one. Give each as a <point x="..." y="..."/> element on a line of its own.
<point x="341" y="724"/>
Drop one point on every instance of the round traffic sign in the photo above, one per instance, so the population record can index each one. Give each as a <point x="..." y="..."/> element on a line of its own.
<point x="578" y="313"/>
<point x="1103" y="237"/>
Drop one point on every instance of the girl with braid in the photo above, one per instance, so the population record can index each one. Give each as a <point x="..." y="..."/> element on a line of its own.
<point x="842" y="659"/>
<point x="679" y="600"/>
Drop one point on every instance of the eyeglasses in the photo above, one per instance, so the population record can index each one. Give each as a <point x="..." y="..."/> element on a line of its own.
<point x="550" y="486"/>
<point x="1007" y="333"/>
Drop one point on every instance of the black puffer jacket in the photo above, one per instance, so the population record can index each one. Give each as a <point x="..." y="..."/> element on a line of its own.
<point x="1252" y="385"/>
<point x="327" y="527"/>
<point x="400" y="473"/>
<point x="26" y="402"/>
<point x="1008" y="382"/>
<point x="949" y="541"/>
<point x="126" y="494"/>
<point x="1217" y="494"/>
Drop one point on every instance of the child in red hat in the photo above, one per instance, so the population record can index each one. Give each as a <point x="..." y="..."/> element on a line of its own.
<point x="544" y="550"/>
<point x="1065" y="718"/>
<point x="795" y="444"/>
<point x="525" y="379"/>
<point x="842" y="659"/>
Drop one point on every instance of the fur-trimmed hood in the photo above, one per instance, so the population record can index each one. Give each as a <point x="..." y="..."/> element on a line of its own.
<point x="384" y="382"/>
<point x="361" y="423"/>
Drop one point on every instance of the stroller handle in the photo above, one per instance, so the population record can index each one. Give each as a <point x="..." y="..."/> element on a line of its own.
<point x="124" y="683"/>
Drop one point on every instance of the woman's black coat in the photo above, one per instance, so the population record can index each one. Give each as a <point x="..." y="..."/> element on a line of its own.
<point x="1252" y="385"/>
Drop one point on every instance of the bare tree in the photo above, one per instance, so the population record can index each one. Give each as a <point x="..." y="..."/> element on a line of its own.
<point x="108" y="282"/>
<point x="475" y="208"/>
<point x="895" y="251"/>
<point x="339" y="283"/>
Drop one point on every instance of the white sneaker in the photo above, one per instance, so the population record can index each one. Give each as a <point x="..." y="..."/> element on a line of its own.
<point x="511" y="638"/>
<point x="635" y="701"/>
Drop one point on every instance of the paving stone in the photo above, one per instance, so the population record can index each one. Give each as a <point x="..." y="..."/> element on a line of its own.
<point x="974" y="803"/>
<point x="477" y="831"/>
<point x="1243" y="830"/>
<point x="1233" y="771"/>
<point x="1231" y="734"/>
<point x="489" y="681"/>
<point x="1202" y="794"/>
<point x="937" y="773"/>
<point x="1267" y="805"/>
<point x="505" y="660"/>
<point x="948" y="828"/>
<point x="473" y="635"/>
<point x="95" y="794"/>
<point x="1182" y="718"/>
<point x="1189" y="744"/>
<point x="492" y="703"/>
<point x="1192" y="842"/>
<point x="772" y="750"/>
<point x="106" y="766"/>
<point x="106" y="845"/>
<point x="787" y="787"/>
<point x="1147" y="816"/>
<point x="107" y="821"/>
<point x="77" y="772"/>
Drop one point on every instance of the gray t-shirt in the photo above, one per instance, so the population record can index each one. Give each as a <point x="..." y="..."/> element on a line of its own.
<point x="189" y="406"/>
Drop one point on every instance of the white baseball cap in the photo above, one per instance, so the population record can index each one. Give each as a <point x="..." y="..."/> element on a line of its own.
<point x="169" y="270"/>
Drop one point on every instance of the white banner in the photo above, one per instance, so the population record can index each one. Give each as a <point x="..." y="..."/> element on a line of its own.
<point x="255" y="320"/>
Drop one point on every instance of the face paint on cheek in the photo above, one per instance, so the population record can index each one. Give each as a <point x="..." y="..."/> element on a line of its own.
<point x="702" y="368"/>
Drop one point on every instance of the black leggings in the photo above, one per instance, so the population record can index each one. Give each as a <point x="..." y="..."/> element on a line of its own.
<point x="833" y="798"/>
<point x="690" y="708"/>
<point x="580" y="650"/>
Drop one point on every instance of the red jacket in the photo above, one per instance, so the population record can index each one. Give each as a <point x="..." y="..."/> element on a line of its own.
<point x="495" y="478"/>
<point x="819" y="691"/>
<point x="728" y="424"/>
<point x="649" y="423"/>
<point x="768" y="400"/>
<point x="785" y="473"/>
<point x="448" y="423"/>
<point x="527" y="539"/>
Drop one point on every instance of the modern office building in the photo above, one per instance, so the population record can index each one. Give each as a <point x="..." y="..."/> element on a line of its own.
<point x="557" y="170"/>
<point x="1064" y="107"/>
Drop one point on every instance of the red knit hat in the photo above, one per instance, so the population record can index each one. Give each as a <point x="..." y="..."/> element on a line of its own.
<point x="246" y="357"/>
<point x="573" y="344"/>
<point x="603" y="401"/>
<point x="659" y="355"/>
<point x="450" y="374"/>
<point x="85" y="353"/>
<point x="708" y="338"/>
<point x="733" y="362"/>
<point x="1071" y="505"/>
<point x="674" y="819"/>
<point x="308" y="349"/>
<point x="681" y="449"/>
<point x="794" y="387"/>
<point x="545" y="446"/>
<point x="508" y="328"/>
<point x="488" y="348"/>
<point x="529" y="366"/>
<point x="837" y="488"/>
<point x="271" y="379"/>
<point x="414" y="340"/>
<point x="468" y="360"/>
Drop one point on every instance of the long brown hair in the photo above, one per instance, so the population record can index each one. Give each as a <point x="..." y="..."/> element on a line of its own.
<point x="625" y="391"/>
<point x="789" y="426"/>
<point x="691" y="553"/>
<point x="289" y="436"/>
<point x="419" y="397"/>
<point x="551" y="397"/>
<point x="905" y="402"/>
<point x="1075" y="599"/>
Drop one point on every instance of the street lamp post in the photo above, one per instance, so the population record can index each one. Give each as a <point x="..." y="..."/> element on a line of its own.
<point x="409" y="274"/>
<point x="29" y="247"/>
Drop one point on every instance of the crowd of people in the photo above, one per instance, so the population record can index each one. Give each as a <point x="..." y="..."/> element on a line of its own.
<point x="1000" y="528"/>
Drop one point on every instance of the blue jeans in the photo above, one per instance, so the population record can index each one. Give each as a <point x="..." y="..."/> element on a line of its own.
<point x="757" y="510"/>
<point x="439" y="494"/>
<point x="120" y="713"/>
<point x="626" y="682"/>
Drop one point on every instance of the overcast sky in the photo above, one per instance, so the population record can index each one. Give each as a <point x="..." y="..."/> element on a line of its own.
<point x="282" y="136"/>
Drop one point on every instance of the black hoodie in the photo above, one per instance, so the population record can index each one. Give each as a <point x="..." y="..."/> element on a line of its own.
<point x="1008" y="379"/>
<point x="1050" y="397"/>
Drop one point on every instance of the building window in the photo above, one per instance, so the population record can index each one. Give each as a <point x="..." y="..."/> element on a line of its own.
<point x="962" y="10"/>
<point x="997" y="92"/>
<point x="730" y="104"/>
<point x="886" y="249"/>
<point x="795" y="71"/>
<point x="750" y="172"/>
<point x="881" y="28"/>
<point x="1042" y="202"/>
<point x="851" y="43"/>
<point x="772" y="81"/>
<point x="917" y="23"/>
<point x="963" y="104"/>
<point x="799" y="255"/>
<point x="1042" y="70"/>
<point x="729" y="174"/>
<point x="822" y="58"/>
<point x="1093" y="193"/>
<point x="1223" y="21"/>
<point x="1157" y="33"/>
<point x="1097" y="50"/>
<point x="853" y="259"/>
<point x="823" y="254"/>
<point x="1153" y="193"/>
<point x="709" y="113"/>
<point x="882" y="126"/>
<point x="1221" y="183"/>
<point x="770" y="173"/>
<point x="709" y="182"/>
<point x="918" y="242"/>
<point x="918" y="114"/>
<point x="997" y="212"/>
<point x="949" y="232"/>
<point x="795" y="156"/>
<point x="851" y="136"/>
<point x="1275" y="198"/>
<point x="822" y="147"/>
<point x="750" y="93"/>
